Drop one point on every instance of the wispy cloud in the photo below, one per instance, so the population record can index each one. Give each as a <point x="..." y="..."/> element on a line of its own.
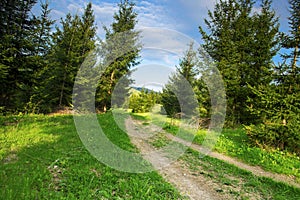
<point x="153" y="15"/>
<point x="104" y="16"/>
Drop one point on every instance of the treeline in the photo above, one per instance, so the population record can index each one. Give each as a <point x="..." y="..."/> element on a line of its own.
<point x="39" y="62"/>
<point x="261" y="94"/>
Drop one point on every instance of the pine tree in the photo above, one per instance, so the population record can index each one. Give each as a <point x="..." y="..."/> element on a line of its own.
<point x="279" y="102"/>
<point x="122" y="37"/>
<point x="72" y="43"/>
<point x="235" y="38"/>
<point x="292" y="40"/>
<point x="178" y="96"/>
<point x="15" y="70"/>
<point x="41" y="46"/>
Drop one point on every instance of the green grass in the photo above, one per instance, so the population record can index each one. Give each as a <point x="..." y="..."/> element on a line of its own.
<point x="239" y="183"/>
<point x="235" y="143"/>
<point x="159" y="140"/>
<point x="42" y="157"/>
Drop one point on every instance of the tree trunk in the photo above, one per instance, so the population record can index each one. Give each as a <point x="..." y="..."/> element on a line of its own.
<point x="62" y="89"/>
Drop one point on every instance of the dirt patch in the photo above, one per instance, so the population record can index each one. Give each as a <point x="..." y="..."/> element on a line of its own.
<point x="256" y="170"/>
<point x="192" y="180"/>
<point x="56" y="173"/>
<point x="11" y="158"/>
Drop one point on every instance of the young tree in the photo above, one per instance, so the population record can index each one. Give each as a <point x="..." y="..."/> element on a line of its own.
<point x="122" y="52"/>
<point x="142" y="101"/>
<point x="177" y="96"/>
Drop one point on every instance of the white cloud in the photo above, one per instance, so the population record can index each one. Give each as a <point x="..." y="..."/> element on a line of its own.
<point x="75" y="8"/>
<point x="104" y="16"/>
<point x="198" y="8"/>
<point x="165" y="39"/>
<point x="152" y="76"/>
<point x="164" y="46"/>
<point x="153" y="15"/>
<point x="57" y="15"/>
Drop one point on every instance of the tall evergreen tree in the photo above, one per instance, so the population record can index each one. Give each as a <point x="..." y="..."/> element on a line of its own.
<point x="122" y="52"/>
<point x="72" y="43"/>
<point x="41" y="46"/>
<point x="292" y="40"/>
<point x="279" y="102"/>
<point x="16" y="28"/>
<point x="235" y="38"/>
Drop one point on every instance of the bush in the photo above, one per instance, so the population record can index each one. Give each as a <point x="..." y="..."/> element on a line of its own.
<point x="143" y="101"/>
<point x="283" y="136"/>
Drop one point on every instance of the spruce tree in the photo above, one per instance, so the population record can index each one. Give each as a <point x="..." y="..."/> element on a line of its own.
<point x="15" y="69"/>
<point x="41" y="46"/>
<point x="72" y="43"/>
<point x="242" y="44"/>
<point x="122" y="49"/>
<point x="279" y="103"/>
<point x="177" y="96"/>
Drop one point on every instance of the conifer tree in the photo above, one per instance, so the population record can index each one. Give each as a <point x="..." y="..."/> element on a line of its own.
<point x="177" y="96"/>
<point x="16" y="28"/>
<point x="41" y="46"/>
<point x="279" y="102"/>
<point x="242" y="44"/>
<point x="292" y="40"/>
<point x="72" y="43"/>
<point x="122" y="52"/>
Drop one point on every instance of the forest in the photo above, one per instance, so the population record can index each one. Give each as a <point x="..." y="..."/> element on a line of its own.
<point x="39" y="63"/>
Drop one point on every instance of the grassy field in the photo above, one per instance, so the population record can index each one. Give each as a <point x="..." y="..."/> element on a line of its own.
<point x="42" y="157"/>
<point x="234" y="143"/>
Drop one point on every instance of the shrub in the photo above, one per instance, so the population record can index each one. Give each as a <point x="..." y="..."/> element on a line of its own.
<point x="283" y="136"/>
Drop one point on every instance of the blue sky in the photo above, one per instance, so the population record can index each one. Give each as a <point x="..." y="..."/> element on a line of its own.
<point x="183" y="16"/>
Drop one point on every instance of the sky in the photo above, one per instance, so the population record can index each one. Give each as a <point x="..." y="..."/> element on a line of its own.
<point x="179" y="18"/>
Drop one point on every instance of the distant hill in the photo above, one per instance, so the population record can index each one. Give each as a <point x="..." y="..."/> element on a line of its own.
<point x="142" y="88"/>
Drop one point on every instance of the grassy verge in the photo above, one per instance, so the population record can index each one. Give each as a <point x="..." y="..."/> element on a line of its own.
<point x="234" y="143"/>
<point x="42" y="157"/>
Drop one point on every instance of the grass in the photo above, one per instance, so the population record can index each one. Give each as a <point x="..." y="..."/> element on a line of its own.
<point x="159" y="140"/>
<point x="239" y="183"/>
<point x="235" y="143"/>
<point x="42" y="157"/>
